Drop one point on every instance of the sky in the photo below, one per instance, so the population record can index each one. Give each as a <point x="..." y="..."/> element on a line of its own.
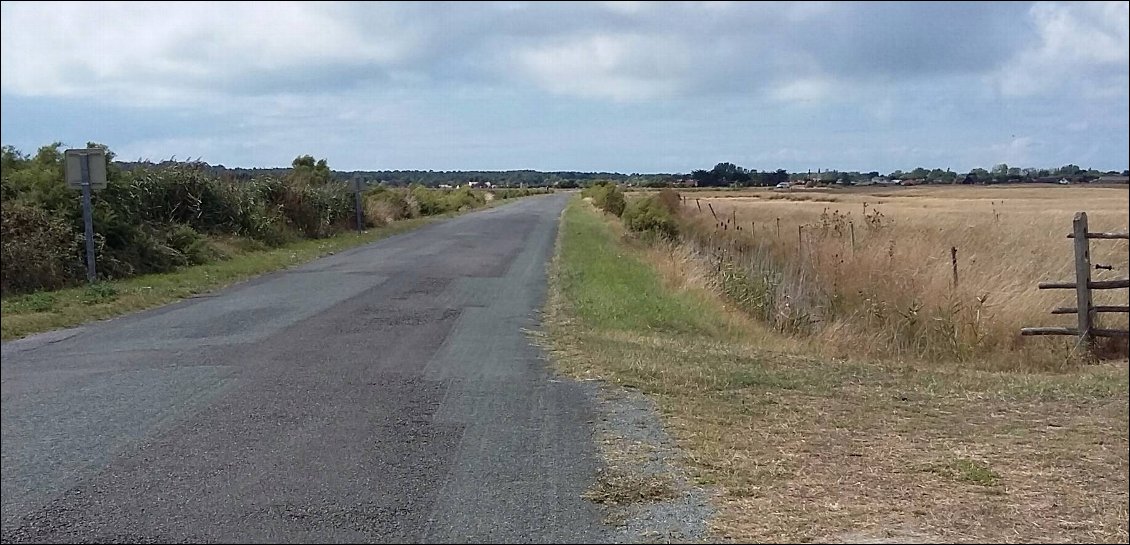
<point x="631" y="87"/>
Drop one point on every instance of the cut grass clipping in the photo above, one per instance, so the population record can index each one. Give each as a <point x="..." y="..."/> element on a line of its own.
<point x="44" y="311"/>
<point x="800" y="447"/>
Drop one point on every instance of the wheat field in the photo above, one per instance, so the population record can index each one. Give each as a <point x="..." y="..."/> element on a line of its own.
<point x="893" y="291"/>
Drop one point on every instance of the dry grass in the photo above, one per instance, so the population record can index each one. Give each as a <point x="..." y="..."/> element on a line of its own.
<point x="892" y="294"/>
<point x="805" y="448"/>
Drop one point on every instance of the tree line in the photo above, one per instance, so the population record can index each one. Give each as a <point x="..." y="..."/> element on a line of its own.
<point x="723" y="174"/>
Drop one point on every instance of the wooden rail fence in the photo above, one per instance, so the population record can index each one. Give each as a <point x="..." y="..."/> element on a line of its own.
<point x="1083" y="309"/>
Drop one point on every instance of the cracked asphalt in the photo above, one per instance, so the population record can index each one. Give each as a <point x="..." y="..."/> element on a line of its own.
<point x="388" y="393"/>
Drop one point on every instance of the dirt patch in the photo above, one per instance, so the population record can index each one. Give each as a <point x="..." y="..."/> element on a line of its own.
<point x="642" y="487"/>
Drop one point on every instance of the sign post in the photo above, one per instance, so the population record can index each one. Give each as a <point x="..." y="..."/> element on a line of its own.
<point x="357" y="204"/>
<point x="87" y="175"/>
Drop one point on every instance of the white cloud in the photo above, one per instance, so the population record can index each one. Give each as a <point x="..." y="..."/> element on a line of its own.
<point x="163" y="52"/>
<point x="630" y="8"/>
<point x="803" y="90"/>
<point x="1084" y="46"/>
<point x="437" y="79"/>
<point x="620" y="67"/>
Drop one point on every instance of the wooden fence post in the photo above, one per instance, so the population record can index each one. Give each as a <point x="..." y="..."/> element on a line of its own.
<point x="953" y="260"/>
<point x="1083" y="279"/>
<point x="1085" y="311"/>
<point x="778" y="227"/>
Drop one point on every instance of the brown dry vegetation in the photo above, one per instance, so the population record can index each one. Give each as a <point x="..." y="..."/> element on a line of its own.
<point x="800" y="446"/>
<point x="892" y="294"/>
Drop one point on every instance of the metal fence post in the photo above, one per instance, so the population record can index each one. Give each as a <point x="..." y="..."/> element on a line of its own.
<point x="357" y="204"/>
<point x="88" y="220"/>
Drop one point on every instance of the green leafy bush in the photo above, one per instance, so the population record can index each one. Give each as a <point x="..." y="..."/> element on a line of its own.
<point x="651" y="215"/>
<point x="464" y="198"/>
<point x="606" y="196"/>
<point x="159" y="217"/>
<point x="428" y="202"/>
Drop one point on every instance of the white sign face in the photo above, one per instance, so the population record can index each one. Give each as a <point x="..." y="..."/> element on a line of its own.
<point x="97" y="167"/>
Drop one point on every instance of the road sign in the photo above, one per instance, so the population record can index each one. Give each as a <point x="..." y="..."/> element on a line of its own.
<point x="97" y="158"/>
<point x="86" y="170"/>
<point x="357" y="205"/>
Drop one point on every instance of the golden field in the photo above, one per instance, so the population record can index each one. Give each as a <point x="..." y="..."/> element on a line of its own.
<point x="892" y="293"/>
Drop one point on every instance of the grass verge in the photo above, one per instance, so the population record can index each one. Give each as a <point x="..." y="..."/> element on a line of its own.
<point x="27" y="314"/>
<point x="798" y="447"/>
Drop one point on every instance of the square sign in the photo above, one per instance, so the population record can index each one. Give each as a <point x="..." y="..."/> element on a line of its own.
<point x="97" y="167"/>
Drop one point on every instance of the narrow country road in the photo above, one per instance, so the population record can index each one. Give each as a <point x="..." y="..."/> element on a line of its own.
<point x="388" y="393"/>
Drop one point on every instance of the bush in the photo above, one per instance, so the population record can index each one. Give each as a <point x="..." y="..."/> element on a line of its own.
<point x="316" y="211"/>
<point x="383" y="206"/>
<point x="606" y="196"/>
<point x="190" y="244"/>
<point x="464" y="199"/>
<point x="429" y="202"/>
<point x="157" y="218"/>
<point x="39" y="250"/>
<point x="651" y="215"/>
<point x="671" y="200"/>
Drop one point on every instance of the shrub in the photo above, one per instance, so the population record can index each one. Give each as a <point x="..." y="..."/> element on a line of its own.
<point x="429" y="201"/>
<point x="606" y="196"/>
<point x="190" y="244"/>
<point x="317" y="211"/>
<point x="464" y="199"/>
<point x="670" y="200"/>
<point x="40" y="251"/>
<point x="383" y="205"/>
<point x="651" y="215"/>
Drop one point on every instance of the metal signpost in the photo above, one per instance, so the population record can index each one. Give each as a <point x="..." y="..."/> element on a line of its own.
<point x="86" y="170"/>
<point x="357" y="204"/>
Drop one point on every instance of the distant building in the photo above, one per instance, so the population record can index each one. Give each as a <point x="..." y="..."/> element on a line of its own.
<point x="1112" y="179"/>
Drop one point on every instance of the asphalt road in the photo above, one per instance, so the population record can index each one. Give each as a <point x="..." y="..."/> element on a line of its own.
<point x="388" y="393"/>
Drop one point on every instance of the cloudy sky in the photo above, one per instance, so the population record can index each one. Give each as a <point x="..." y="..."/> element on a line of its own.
<point x="627" y="87"/>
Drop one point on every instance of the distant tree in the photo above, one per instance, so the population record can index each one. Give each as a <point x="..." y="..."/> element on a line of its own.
<point x="704" y="178"/>
<point x="918" y="173"/>
<point x="730" y="173"/>
<point x="306" y="169"/>
<point x="1068" y="170"/>
<point x="781" y="175"/>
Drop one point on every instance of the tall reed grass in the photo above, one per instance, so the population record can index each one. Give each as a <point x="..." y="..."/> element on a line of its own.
<point x="873" y="273"/>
